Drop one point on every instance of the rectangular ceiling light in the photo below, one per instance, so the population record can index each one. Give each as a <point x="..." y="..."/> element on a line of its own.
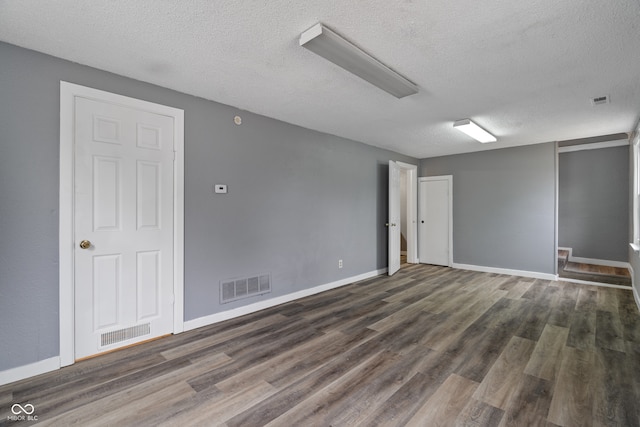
<point x="333" y="47"/>
<point x="474" y="131"/>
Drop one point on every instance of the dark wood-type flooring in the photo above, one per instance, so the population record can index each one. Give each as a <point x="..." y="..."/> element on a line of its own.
<point x="590" y="272"/>
<point x="429" y="346"/>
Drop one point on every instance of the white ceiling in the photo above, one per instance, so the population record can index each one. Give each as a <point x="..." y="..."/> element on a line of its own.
<point x="524" y="70"/>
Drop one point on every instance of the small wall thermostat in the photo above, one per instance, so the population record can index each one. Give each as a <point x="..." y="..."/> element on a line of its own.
<point x="220" y="188"/>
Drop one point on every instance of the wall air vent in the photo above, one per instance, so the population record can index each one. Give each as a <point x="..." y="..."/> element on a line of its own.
<point x="235" y="289"/>
<point x="599" y="100"/>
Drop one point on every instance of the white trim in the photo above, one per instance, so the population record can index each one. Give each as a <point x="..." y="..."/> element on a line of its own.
<point x="594" y="146"/>
<point x="412" y="211"/>
<point x="604" y="262"/>
<point x="636" y="297"/>
<point x="178" y="221"/>
<point x="68" y="92"/>
<point x="556" y="207"/>
<point x="595" y="261"/>
<point x="65" y="231"/>
<point x="261" y="305"/>
<point x="522" y="273"/>
<point x="30" y="370"/>
<point x="588" y="282"/>
<point x="635" y="247"/>
<point x="635" y="199"/>
<point x="449" y="179"/>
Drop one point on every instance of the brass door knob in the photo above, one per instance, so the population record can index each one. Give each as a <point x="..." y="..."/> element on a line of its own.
<point x="85" y="244"/>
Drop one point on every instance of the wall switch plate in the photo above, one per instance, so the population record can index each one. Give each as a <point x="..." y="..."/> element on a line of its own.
<point x="339" y="263"/>
<point x="220" y="188"/>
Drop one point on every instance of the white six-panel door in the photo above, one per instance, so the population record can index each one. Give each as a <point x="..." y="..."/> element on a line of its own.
<point x="123" y="226"/>
<point x="435" y="215"/>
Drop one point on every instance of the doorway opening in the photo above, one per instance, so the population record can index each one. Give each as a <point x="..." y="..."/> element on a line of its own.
<point x="592" y="208"/>
<point x="403" y="217"/>
<point x="402" y="225"/>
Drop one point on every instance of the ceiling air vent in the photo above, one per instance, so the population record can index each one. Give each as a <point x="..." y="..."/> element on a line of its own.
<point x="599" y="100"/>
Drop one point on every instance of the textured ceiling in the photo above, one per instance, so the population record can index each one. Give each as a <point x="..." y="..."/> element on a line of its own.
<point x="525" y="71"/>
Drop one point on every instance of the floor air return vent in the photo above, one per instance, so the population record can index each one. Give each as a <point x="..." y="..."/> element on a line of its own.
<point x="235" y="289"/>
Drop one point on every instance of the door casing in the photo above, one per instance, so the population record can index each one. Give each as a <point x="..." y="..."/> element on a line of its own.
<point x="68" y="93"/>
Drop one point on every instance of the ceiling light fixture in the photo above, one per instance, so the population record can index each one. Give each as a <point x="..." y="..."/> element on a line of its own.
<point x="474" y="131"/>
<point x="331" y="46"/>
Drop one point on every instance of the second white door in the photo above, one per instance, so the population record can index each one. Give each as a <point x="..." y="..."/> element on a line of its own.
<point x="434" y="226"/>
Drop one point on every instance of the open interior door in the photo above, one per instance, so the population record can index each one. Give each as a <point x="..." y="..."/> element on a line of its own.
<point x="394" y="218"/>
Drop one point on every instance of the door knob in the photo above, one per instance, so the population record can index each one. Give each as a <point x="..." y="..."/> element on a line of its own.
<point x="85" y="244"/>
<point x="386" y="225"/>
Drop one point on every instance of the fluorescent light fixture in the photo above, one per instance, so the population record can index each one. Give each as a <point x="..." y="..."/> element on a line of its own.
<point x="474" y="131"/>
<point x="331" y="46"/>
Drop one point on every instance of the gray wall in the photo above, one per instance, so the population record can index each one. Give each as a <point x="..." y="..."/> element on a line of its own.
<point x="298" y="200"/>
<point x="593" y="203"/>
<point x="503" y="206"/>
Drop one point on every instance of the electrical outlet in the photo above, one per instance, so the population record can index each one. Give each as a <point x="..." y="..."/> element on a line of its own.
<point x="339" y="263"/>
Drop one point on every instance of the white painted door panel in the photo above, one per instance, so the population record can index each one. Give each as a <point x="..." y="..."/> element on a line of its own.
<point x="434" y="225"/>
<point x="394" y="218"/>
<point x="123" y="205"/>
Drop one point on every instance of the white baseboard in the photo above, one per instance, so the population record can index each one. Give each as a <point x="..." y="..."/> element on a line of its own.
<point x="522" y="273"/>
<point x="251" y="308"/>
<point x="595" y="261"/>
<point x="637" y="297"/>
<point x="30" y="370"/>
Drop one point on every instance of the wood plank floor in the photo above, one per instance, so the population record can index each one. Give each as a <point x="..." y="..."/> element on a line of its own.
<point x="430" y="346"/>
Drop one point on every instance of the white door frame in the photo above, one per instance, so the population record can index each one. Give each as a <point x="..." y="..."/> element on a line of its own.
<point x="68" y="93"/>
<point x="412" y="211"/>
<point x="394" y="212"/>
<point x="449" y="179"/>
